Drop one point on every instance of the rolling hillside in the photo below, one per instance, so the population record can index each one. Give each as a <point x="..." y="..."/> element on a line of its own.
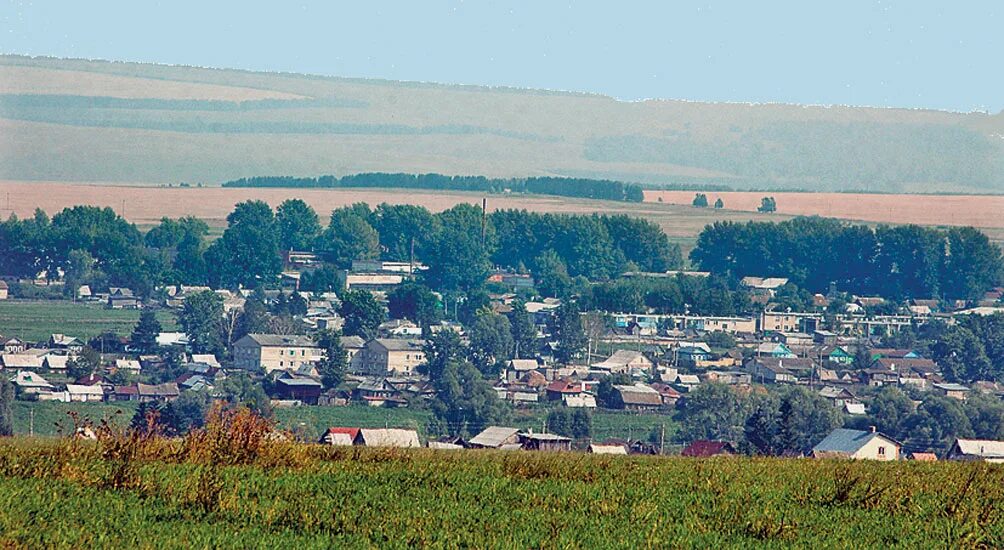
<point x="94" y="121"/>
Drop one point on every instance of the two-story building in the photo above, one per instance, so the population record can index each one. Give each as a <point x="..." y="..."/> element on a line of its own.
<point x="269" y="352"/>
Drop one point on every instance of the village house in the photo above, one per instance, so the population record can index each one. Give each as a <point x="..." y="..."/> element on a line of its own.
<point x="297" y="387"/>
<point x="986" y="450"/>
<point x="729" y="377"/>
<point x="16" y="361"/>
<point x="787" y="321"/>
<point x="779" y="370"/>
<point x="774" y="349"/>
<point x="392" y="356"/>
<point x="344" y="437"/>
<point x="639" y="397"/>
<point x="269" y="352"/>
<point x="517" y="369"/>
<point x="82" y="393"/>
<point x="857" y="444"/>
<point x="839" y="396"/>
<point x="950" y="389"/>
<point x="56" y="363"/>
<point x="625" y="362"/>
<point x="122" y="298"/>
<point x="544" y="442"/>
<point x="157" y="392"/>
<point x="4" y="290"/>
<point x="387" y="437"/>
<point x="707" y="449"/>
<point x="67" y="343"/>
<point x="495" y="437"/>
<point x="561" y="389"/>
<point x="668" y="394"/>
<point x="13" y="345"/>
<point x="607" y="449"/>
<point x="31" y="383"/>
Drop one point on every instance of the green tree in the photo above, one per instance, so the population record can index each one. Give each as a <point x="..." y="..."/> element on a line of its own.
<point x="248" y="252"/>
<point x="242" y="390"/>
<point x="298" y="225"/>
<point x="443" y="348"/>
<point x="362" y="313"/>
<point x="334" y="360"/>
<point x="719" y="203"/>
<point x="713" y="412"/>
<point x="415" y="302"/>
<point x="403" y="229"/>
<point x="700" y="200"/>
<point x="524" y="333"/>
<point x="456" y="256"/>
<point x="936" y="423"/>
<point x="465" y="402"/>
<point x="762" y="429"/>
<point x="144" y="336"/>
<point x="491" y="342"/>
<point x="349" y="237"/>
<point x="84" y="364"/>
<point x="254" y="317"/>
<point x="986" y="416"/>
<point x="552" y="275"/>
<point x="961" y="356"/>
<point x="889" y="410"/>
<point x="566" y="329"/>
<point x="582" y="424"/>
<point x="187" y="412"/>
<point x="202" y="320"/>
<point x="767" y="205"/>
<point x="805" y="418"/>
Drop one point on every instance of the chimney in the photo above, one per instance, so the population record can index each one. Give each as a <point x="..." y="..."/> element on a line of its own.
<point x="871" y="429"/>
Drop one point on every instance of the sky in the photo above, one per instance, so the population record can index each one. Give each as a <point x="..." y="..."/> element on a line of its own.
<point x="916" y="54"/>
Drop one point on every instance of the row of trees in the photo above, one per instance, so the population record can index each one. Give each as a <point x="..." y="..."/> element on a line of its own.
<point x="894" y="262"/>
<point x="95" y="246"/>
<point x="566" y="187"/>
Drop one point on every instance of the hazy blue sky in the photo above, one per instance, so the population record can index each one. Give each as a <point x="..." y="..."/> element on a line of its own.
<point x="945" y="55"/>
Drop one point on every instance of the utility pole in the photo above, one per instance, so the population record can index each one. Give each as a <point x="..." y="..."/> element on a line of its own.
<point x="662" y="440"/>
<point x="31" y="422"/>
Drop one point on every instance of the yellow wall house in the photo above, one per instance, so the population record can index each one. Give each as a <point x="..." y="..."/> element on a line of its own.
<point x="271" y="352"/>
<point x="857" y="444"/>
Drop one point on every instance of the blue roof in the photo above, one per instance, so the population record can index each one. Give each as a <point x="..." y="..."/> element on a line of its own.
<point x="843" y="440"/>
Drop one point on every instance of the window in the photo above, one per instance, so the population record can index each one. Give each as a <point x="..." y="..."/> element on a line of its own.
<point x="881" y="451"/>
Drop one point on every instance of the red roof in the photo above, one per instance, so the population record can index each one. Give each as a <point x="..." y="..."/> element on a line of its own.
<point x="666" y="390"/>
<point x="564" y="386"/>
<point x="704" y="448"/>
<point x="351" y="432"/>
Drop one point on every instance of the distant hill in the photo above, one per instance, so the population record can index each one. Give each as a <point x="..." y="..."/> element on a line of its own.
<point x="75" y="120"/>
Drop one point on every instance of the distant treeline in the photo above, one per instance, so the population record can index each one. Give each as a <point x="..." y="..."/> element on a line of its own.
<point x="906" y="261"/>
<point x="563" y="187"/>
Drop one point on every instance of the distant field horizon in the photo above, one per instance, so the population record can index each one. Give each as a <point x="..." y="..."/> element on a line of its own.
<point x="82" y="120"/>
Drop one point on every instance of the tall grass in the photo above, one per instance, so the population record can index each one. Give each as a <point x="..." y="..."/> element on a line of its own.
<point x="239" y="483"/>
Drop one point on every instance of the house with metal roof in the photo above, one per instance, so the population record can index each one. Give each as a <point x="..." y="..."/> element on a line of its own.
<point x="986" y="450"/>
<point x="857" y="444"/>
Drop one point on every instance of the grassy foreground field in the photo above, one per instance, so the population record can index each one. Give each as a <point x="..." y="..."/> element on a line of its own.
<point x="227" y="490"/>
<point x="35" y="320"/>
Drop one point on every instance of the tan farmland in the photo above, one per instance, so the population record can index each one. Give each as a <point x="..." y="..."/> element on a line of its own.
<point x="985" y="211"/>
<point x="144" y="204"/>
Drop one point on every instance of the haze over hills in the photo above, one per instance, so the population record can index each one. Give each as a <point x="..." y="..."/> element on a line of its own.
<point x="75" y="120"/>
